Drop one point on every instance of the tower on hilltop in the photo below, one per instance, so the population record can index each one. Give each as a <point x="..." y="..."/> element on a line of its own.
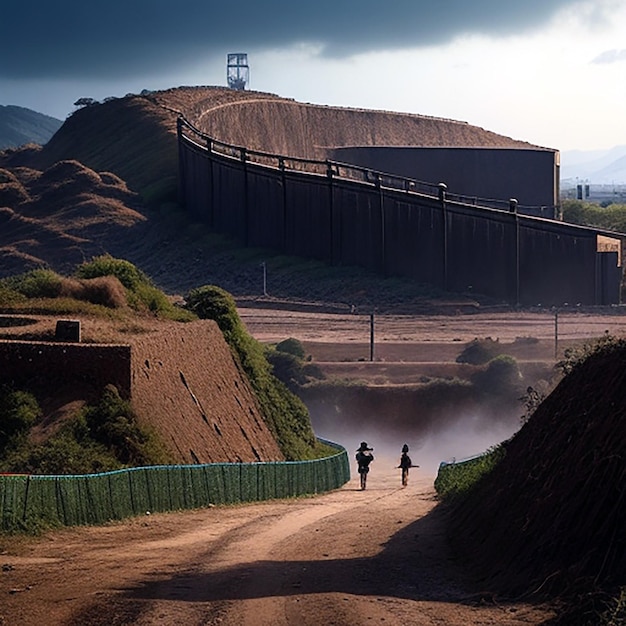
<point x="237" y="70"/>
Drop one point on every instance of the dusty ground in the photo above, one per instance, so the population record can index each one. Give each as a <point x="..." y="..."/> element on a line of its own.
<point x="347" y="557"/>
<point x="407" y="347"/>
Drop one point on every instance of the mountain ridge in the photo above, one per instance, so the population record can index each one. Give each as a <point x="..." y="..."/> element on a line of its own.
<point x="20" y="126"/>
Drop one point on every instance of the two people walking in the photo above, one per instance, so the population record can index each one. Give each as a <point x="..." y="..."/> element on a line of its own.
<point x="364" y="457"/>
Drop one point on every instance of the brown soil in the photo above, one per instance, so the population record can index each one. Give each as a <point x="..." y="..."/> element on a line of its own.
<point x="342" y="558"/>
<point x="184" y="384"/>
<point x="348" y="557"/>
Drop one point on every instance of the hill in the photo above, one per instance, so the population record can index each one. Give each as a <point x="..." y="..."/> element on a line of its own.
<point x="19" y="126"/>
<point x="549" y="518"/>
<point x="134" y="139"/>
<point x="598" y="167"/>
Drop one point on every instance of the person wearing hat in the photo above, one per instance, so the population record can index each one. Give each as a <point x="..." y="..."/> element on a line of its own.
<point x="405" y="463"/>
<point x="364" y="457"/>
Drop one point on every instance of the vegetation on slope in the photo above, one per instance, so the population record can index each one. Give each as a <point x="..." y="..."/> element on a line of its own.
<point x="546" y="520"/>
<point x="101" y="437"/>
<point x="106" y="286"/>
<point x="100" y="286"/>
<point x="286" y="416"/>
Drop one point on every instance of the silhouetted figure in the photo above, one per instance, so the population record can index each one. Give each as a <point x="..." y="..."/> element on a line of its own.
<point x="364" y="457"/>
<point x="405" y="464"/>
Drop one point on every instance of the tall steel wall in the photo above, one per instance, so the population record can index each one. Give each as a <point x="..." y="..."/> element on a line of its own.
<point x="430" y="238"/>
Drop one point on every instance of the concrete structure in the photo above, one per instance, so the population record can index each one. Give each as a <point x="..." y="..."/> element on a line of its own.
<point x="479" y="174"/>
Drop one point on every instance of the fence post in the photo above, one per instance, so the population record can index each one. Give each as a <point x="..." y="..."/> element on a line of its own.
<point x="182" y="199"/>
<point x="381" y="204"/>
<point x="246" y="207"/>
<point x="442" y="199"/>
<point x="209" y="150"/>
<point x="283" y="180"/>
<point x="331" y="212"/>
<point x="513" y="210"/>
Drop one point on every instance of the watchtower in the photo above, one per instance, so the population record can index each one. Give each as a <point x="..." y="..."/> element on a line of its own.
<point x="237" y="70"/>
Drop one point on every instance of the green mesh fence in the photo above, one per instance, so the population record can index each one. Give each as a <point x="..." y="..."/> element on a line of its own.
<point x="96" y="498"/>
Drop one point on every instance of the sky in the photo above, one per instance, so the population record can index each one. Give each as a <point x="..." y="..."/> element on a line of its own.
<point x="550" y="72"/>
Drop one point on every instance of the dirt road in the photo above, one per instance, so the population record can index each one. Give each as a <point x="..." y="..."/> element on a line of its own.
<point x="347" y="557"/>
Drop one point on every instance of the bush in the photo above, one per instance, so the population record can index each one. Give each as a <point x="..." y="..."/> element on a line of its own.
<point x="107" y="291"/>
<point x="291" y="346"/>
<point x="113" y="424"/>
<point x="501" y="376"/>
<point x="479" y="351"/>
<point x="106" y="265"/>
<point x="35" y="284"/>
<point x="19" y="410"/>
<point x="285" y="414"/>
<point x="142" y="295"/>
<point x="99" y="438"/>
<point x="458" y="479"/>
<point x="287" y="368"/>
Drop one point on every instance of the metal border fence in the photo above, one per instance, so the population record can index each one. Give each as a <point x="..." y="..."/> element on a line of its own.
<point x="98" y="498"/>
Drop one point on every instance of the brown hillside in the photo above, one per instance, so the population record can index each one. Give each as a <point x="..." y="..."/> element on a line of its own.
<point x="551" y="516"/>
<point x="182" y="379"/>
<point x="186" y="385"/>
<point x="132" y="141"/>
<point x="304" y="130"/>
<point x="62" y="216"/>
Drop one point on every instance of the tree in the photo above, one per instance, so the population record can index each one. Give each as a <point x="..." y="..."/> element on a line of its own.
<point x="84" y="102"/>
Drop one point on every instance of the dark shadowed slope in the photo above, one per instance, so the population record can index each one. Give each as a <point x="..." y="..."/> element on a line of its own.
<point x="550" y="518"/>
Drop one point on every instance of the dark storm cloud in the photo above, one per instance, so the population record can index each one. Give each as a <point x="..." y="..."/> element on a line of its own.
<point x="85" y="38"/>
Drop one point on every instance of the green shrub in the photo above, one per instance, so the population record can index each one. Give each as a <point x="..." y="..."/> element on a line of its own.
<point x="106" y="265"/>
<point x="501" y="376"/>
<point x="69" y="451"/>
<point x="142" y="295"/>
<point x="285" y="414"/>
<point x="291" y="346"/>
<point x="113" y="424"/>
<point x="573" y="357"/>
<point x="99" y="438"/>
<point x="19" y="410"/>
<point x="38" y="283"/>
<point x="458" y="479"/>
<point x="287" y="368"/>
<point x="10" y="297"/>
<point x="479" y="351"/>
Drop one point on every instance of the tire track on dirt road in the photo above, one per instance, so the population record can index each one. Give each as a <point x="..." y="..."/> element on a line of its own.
<point x="343" y="558"/>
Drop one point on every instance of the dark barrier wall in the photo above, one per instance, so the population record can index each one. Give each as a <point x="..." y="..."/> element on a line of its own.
<point x="347" y="215"/>
<point x="529" y="175"/>
<point x="30" y="361"/>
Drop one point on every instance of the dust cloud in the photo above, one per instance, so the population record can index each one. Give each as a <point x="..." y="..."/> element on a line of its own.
<point x="446" y="438"/>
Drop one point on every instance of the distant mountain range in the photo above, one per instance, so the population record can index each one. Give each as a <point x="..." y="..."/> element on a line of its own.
<point x="19" y="126"/>
<point x="596" y="167"/>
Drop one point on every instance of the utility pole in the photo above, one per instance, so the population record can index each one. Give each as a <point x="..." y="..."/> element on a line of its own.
<point x="264" y="278"/>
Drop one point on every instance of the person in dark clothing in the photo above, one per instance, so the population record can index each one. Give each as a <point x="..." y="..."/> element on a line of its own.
<point x="405" y="464"/>
<point x="364" y="457"/>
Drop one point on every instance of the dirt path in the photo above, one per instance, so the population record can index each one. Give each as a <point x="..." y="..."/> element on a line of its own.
<point x="347" y="557"/>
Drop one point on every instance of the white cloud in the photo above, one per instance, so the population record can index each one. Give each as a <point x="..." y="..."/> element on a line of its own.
<point x="610" y="56"/>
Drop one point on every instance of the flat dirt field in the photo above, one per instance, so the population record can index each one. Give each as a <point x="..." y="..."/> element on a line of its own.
<point x="401" y="349"/>
<point x="343" y="558"/>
